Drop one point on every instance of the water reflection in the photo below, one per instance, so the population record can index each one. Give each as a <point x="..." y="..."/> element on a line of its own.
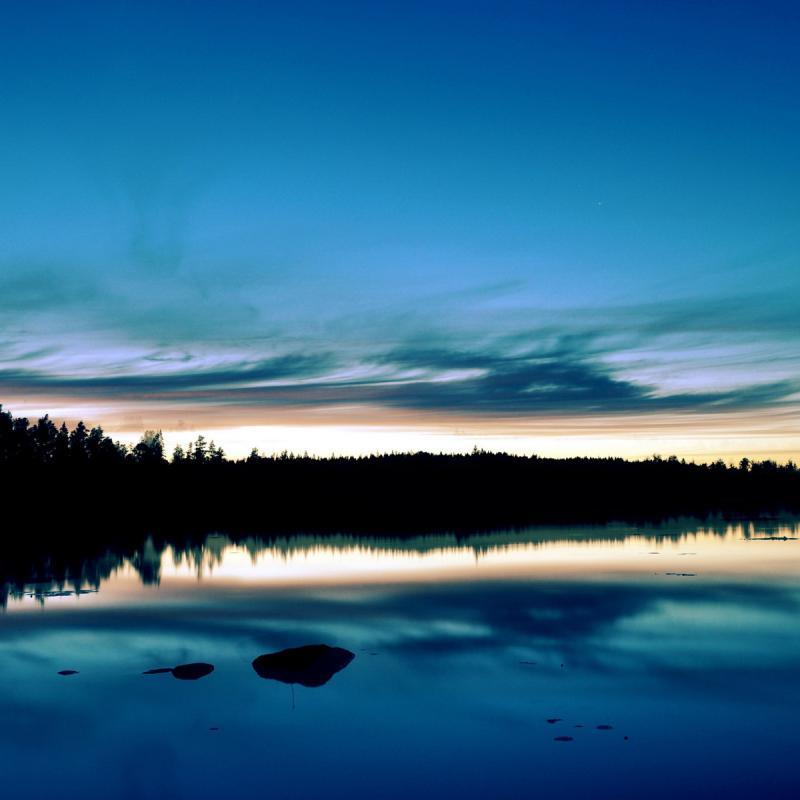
<point x="560" y="662"/>
<point x="337" y="558"/>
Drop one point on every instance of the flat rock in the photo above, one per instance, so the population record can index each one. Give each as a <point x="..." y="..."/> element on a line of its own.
<point x="311" y="665"/>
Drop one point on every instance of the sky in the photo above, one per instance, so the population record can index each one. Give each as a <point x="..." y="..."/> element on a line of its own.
<point x="566" y="228"/>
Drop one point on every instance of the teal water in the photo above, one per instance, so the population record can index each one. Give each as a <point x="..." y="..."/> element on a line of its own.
<point x="684" y="640"/>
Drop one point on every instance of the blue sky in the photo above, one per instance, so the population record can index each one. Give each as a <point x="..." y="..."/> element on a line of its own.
<point x="562" y="227"/>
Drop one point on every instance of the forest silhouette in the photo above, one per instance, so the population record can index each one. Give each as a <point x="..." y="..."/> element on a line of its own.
<point x="80" y="483"/>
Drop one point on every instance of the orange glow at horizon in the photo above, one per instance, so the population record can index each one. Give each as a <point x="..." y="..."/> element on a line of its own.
<point x="362" y="430"/>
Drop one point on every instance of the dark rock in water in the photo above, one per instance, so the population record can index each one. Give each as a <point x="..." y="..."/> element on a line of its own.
<point x="563" y="739"/>
<point x="68" y="672"/>
<point x="625" y="738"/>
<point x="311" y="665"/>
<point x="579" y="726"/>
<point x="605" y="727"/>
<point x="184" y="672"/>
<point x="554" y="720"/>
<point x="214" y="729"/>
<point x="192" y="672"/>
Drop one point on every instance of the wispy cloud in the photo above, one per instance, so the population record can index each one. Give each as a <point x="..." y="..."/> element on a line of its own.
<point x="566" y="377"/>
<point x="481" y="351"/>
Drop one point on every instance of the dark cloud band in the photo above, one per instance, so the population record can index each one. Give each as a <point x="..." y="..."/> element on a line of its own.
<point x="565" y="377"/>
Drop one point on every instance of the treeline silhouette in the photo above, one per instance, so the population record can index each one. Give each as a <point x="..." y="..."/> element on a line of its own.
<point x="58" y="482"/>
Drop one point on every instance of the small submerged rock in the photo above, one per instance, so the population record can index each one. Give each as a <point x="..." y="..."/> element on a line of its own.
<point x="554" y="720"/>
<point x="184" y="672"/>
<point x="605" y="727"/>
<point x="68" y="672"/>
<point x="192" y="672"/>
<point x="563" y="739"/>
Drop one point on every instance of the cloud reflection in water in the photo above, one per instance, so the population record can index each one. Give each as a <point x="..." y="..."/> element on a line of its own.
<point x="460" y="646"/>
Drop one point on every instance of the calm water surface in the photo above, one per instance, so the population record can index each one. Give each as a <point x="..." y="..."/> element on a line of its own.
<point x="685" y="640"/>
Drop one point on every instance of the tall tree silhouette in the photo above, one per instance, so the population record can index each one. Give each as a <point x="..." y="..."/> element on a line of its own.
<point x="45" y="434"/>
<point x="150" y="449"/>
<point x="62" y="444"/>
<point x="77" y="443"/>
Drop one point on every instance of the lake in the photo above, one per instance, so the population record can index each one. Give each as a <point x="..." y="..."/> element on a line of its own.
<point x="605" y="662"/>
